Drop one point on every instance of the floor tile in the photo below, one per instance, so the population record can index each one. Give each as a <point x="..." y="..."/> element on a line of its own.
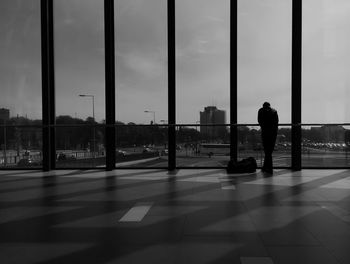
<point x="301" y="255"/>
<point x="256" y="260"/>
<point x="136" y="213"/>
<point x="185" y="216"/>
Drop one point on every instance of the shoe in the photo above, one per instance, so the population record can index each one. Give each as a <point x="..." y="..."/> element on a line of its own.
<point x="270" y="171"/>
<point x="265" y="170"/>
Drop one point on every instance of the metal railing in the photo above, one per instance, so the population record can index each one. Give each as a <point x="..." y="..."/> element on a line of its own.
<point x="10" y="156"/>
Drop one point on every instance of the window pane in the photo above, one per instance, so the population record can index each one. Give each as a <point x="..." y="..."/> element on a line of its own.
<point x="79" y="58"/>
<point x="202" y="146"/>
<point x="79" y="69"/>
<point x="326" y="146"/>
<point x="141" y="61"/>
<point x="23" y="147"/>
<point x="250" y="145"/>
<point x="326" y="61"/>
<point x="20" y="82"/>
<point x="202" y="58"/>
<point x="75" y="146"/>
<point x="142" y="146"/>
<point x="264" y="58"/>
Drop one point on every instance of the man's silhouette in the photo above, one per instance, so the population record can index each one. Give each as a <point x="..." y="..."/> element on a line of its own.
<point x="268" y="121"/>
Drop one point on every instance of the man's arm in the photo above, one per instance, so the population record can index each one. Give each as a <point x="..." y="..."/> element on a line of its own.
<point x="260" y="117"/>
<point x="275" y="121"/>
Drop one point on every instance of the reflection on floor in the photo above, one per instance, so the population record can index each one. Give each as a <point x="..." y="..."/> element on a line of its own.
<point x="187" y="216"/>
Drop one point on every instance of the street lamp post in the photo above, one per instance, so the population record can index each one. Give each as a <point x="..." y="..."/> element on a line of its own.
<point x="154" y="115"/>
<point x="164" y="123"/>
<point x="93" y="117"/>
<point x="5" y="158"/>
<point x="198" y="127"/>
<point x="154" y="122"/>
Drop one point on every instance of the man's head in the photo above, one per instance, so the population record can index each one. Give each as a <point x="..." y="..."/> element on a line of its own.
<point x="266" y="105"/>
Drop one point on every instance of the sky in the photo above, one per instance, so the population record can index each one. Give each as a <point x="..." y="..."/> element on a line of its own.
<point x="202" y="58"/>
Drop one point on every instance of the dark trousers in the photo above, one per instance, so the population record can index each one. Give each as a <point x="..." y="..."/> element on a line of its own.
<point x="268" y="141"/>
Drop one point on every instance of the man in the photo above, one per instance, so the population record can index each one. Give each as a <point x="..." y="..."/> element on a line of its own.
<point x="268" y="121"/>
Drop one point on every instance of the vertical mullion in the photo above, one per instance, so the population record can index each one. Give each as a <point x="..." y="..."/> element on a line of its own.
<point x="52" y="109"/>
<point x="44" y="79"/>
<point x="48" y="82"/>
<point x="296" y="83"/>
<point x="233" y="80"/>
<point x="171" y="86"/>
<point x="110" y="83"/>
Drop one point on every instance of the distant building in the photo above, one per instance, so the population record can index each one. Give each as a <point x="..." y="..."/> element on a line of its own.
<point x="211" y="116"/>
<point x="4" y="114"/>
<point x="329" y="133"/>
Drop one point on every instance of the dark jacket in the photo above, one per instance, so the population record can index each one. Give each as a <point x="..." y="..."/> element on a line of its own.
<point x="268" y="119"/>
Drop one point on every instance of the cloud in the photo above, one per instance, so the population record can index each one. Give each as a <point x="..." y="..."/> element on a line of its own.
<point x="216" y="19"/>
<point x="147" y="65"/>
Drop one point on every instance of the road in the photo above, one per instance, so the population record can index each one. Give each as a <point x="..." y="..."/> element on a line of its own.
<point x="280" y="160"/>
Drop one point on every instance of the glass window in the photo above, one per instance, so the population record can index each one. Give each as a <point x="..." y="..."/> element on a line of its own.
<point x="79" y="82"/>
<point x="326" y="146"/>
<point x="202" y="59"/>
<point x="141" y="146"/>
<point x="250" y="145"/>
<point x="20" y="81"/>
<point x="264" y="58"/>
<point x="205" y="146"/>
<point x="202" y="82"/>
<point x="326" y="61"/>
<point x="141" y="61"/>
<point x="141" y="83"/>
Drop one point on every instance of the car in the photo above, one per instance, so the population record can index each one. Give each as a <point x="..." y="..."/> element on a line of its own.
<point x="120" y="153"/>
<point x="28" y="163"/>
<point x="165" y="152"/>
<point x="61" y="156"/>
<point x="147" y="150"/>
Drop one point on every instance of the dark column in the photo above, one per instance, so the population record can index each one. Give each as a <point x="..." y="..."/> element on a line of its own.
<point x="296" y="83"/>
<point x="48" y="85"/>
<point x="171" y="86"/>
<point x="233" y="80"/>
<point x="110" y="83"/>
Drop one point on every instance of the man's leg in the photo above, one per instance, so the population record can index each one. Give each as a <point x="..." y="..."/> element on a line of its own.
<point x="264" y="167"/>
<point x="268" y="161"/>
<point x="268" y="166"/>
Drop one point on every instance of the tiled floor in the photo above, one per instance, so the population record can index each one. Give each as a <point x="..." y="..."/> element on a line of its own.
<point x="188" y="216"/>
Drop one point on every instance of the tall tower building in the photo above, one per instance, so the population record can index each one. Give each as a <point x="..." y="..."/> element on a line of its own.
<point x="4" y="114"/>
<point x="211" y="116"/>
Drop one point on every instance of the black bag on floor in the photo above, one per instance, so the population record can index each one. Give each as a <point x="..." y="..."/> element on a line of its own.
<point x="244" y="166"/>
